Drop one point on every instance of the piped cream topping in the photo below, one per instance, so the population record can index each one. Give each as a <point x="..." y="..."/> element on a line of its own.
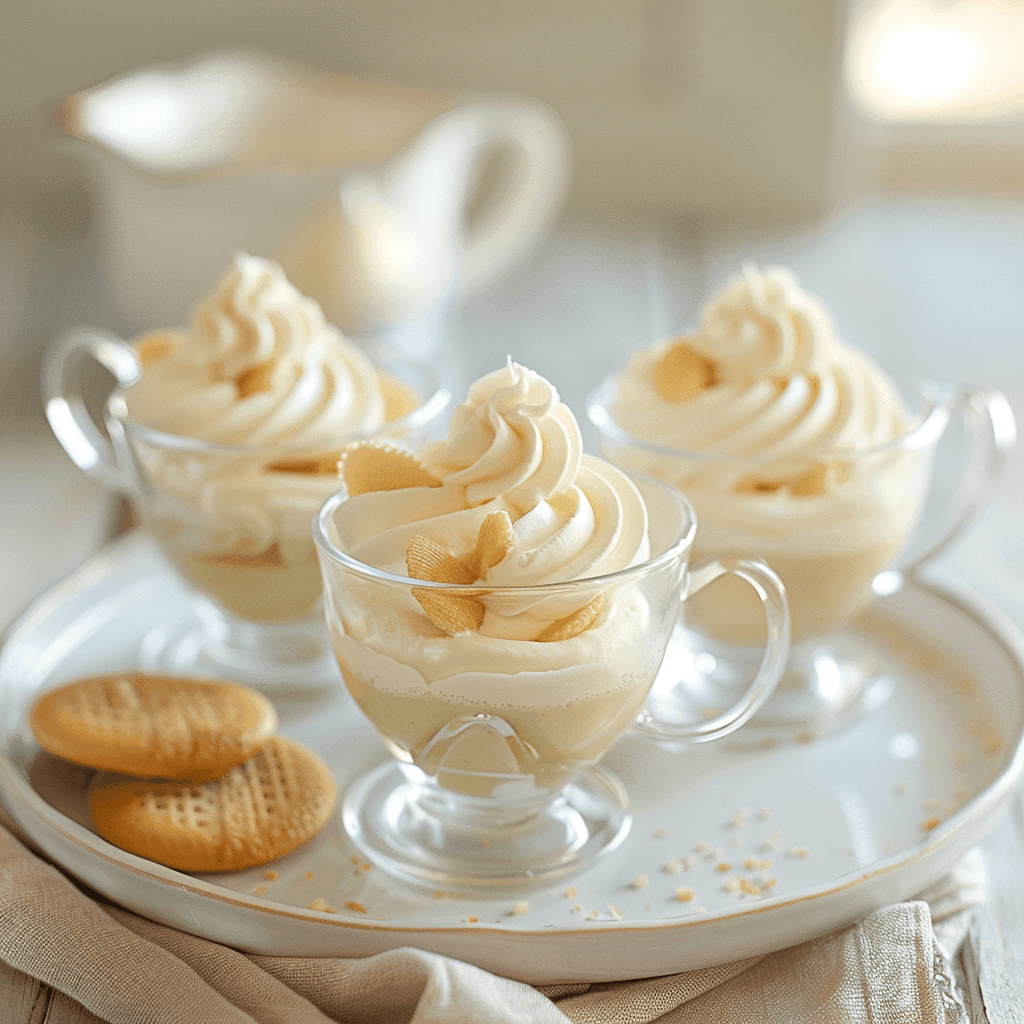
<point x="258" y="365"/>
<point x="781" y="382"/>
<point x="258" y="369"/>
<point x="512" y="447"/>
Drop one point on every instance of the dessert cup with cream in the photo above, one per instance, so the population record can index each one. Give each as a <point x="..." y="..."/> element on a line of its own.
<point x="500" y="605"/>
<point x="799" y="449"/>
<point x="226" y="438"/>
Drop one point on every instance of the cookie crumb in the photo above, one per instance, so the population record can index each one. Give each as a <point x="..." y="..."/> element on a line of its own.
<point x="799" y="852"/>
<point x="365" y="866"/>
<point x="308" y="875"/>
<point x="764" y="814"/>
<point x="804" y="737"/>
<point x="614" y="911"/>
<point x="748" y="887"/>
<point x="660" y="833"/>
<point x="992" y="744"/>
<point x="931" y="803"/>
<point x="321" y="904"/>
<point x="640" y="882"/>
<point x="673" y="866"/>
<point x="259" y="890"/>
<point x="732" y="885"/>
<point x="702" y="847"/>
<point x="929" y="823"/>
<point x="723" y="866"/>
<point x="356" y="906"/>
<point x="739" y="819"/>
<point x="750" y="863"/>
<point x="472" y="919"/>
<point x="271" y="876"/>
<point x="772" y="842"/>
<point x="684" y="895"/>
<point x="570" y="893"/>
<point x="522" y="907"/>
<point x="965" y="685"/>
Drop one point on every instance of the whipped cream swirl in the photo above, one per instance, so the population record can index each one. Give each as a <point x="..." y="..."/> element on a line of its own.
<point x="273" y="389"/>
<point x="512" y="446"/>
<point x="259" y="365"/>
<point x="784" y="383"/>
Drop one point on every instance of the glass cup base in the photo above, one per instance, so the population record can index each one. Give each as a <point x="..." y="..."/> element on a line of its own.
<point x="830" y="684"/>
<point x="419" y="832"/>
<point x="287" y="659"/>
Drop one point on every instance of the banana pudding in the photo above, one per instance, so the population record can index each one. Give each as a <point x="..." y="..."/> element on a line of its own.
<point x="237" y="425"/>
<point x="528" y="646"/>
<point x="787" y="441"/>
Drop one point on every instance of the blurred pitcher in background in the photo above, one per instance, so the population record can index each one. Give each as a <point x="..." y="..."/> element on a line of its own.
<point x="380" y="201"/>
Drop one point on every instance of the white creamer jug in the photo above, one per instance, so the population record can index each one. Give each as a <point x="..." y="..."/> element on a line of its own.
<point x="364" y="192"/>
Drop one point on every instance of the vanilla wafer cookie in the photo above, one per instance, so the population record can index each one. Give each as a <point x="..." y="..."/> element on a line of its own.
<point x="261" y="809"/>
<point x="153" y="726"/>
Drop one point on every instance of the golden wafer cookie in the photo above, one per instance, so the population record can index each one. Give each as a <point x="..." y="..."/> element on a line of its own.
<point x="153" y="726"/>
<point x="260" y="810"/>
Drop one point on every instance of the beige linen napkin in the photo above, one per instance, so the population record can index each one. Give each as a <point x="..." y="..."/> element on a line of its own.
<point x="104" y="963"/>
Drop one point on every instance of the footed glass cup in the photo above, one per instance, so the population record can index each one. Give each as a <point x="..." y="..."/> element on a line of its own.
<point x="837" y="529"/>
<point x="233" y="521"/>
<point x="494" y="780"/>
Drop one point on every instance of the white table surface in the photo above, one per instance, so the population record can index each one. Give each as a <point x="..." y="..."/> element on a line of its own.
<point x="931" y="288"/>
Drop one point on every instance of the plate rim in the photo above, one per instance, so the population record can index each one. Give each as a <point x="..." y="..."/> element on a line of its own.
<point x="986" y="803"/>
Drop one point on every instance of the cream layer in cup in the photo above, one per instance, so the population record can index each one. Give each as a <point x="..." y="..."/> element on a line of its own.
<point x="272" y="391"/>
<point x="566" y="671"/>
<point x="780" y="434"/>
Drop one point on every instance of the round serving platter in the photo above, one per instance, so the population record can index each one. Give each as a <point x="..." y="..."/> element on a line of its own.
<point x="733" y="852"/>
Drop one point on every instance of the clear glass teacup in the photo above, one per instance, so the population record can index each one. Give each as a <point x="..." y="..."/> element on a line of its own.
<point x="233" y="520"/>
<point x="495" y="780"/>
<point x="839" y="528"/>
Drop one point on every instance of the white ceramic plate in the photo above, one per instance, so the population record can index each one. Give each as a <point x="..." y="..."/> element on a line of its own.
<point x="843" y="825"/>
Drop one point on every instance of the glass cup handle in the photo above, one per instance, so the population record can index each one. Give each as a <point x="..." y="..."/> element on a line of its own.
<point x="63" y="365"/>
<point x="988" y="416"/>
<point x="770" y="590"/>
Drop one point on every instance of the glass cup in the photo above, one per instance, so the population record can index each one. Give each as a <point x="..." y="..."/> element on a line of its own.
<point x="838" y="530"/>
<point x="495" y="779"/>
<point x="233" y="521"/>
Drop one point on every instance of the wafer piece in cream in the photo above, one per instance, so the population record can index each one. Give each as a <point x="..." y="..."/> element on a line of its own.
<point x="153" y="726"/>
<point x="425" y="559"/>
<point x="260" y="810"/>
<point x="316" y="465"/>
<point x="494" y="541"/>
<point x="365" y="466"/>
<point x="683" y="373"/>
<point x="572" y="625"/>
